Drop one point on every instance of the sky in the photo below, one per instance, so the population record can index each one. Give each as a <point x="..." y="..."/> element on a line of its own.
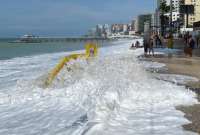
<point x="66" y="17"/>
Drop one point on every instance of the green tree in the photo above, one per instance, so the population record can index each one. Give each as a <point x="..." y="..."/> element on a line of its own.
<point x="164" y="8"/>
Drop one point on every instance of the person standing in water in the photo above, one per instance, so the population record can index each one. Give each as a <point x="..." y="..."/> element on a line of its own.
<point x="137" y="44"/>
<point x="191" y="45"/>
<point x="146" y="42"/>
<point x="151" y="43"/>
<point x="146" y="45"/>
<point x="197" y="40"/>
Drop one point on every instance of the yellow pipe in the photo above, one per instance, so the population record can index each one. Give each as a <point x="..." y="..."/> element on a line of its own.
<point x="91" y="51"/>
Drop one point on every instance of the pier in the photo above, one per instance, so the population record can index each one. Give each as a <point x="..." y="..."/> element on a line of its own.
<point x="71" y="39"/>
<point x="60" y="39"/>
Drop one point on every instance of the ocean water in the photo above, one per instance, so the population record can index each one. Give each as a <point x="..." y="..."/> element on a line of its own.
<point x="10" y="50"/>
<point x="112" y="94"/>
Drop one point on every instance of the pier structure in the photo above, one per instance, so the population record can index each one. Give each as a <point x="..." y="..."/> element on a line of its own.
<point x="61" y="39"/>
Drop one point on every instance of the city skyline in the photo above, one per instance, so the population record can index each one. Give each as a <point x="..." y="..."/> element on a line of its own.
<point x="66" y="18"/>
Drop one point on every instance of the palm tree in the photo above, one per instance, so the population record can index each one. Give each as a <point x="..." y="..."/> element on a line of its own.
<point x="164" y="8"/>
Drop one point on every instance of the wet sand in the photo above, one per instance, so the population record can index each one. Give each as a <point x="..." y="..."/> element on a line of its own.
<point x="190" y="66"/>
<point x="193" y="114"/>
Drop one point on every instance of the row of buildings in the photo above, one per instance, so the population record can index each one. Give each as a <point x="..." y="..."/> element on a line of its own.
<point x="136" y="26"/>
<point x="106" y="30"/>
<point x="180" y="21"/>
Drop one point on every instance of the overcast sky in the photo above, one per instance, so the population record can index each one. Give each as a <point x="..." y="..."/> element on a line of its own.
<point x="66" y="17"/>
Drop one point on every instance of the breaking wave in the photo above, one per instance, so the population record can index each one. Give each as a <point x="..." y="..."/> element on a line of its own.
<point x="112" y="94"/>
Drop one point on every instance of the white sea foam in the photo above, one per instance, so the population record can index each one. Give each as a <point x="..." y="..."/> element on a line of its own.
<point x="177" y="79"/>
<point x="112" y="94"/>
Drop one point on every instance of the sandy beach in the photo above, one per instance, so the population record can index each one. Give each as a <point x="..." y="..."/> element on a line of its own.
<point x="178" y="63"/>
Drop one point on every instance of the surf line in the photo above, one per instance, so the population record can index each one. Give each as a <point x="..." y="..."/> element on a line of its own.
<point x="91" y="51"/>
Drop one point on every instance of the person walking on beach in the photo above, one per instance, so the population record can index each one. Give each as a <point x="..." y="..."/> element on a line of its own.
<point x="146" y="42"/>
<point x="159" y="42"/>
<point x="145" y="47"/>
<point x="197" y="40"/>
<point x="137" y="44"/>
<point x="186" y="37"/>
<point x="190" y="46"/>
<point x="151" y="44"/>
<point x="132" y="46"/>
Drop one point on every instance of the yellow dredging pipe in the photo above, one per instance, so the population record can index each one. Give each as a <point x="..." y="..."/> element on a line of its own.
<point x="91" y="51"/>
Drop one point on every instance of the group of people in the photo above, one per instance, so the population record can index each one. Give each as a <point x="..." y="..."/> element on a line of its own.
<point x="154" y="40"/>
<point x="149" y="44"/>
<point x="136" y="45"/>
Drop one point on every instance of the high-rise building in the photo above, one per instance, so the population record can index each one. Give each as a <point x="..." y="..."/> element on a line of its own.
<point x="155" y="21"/>
<point x="103" y="30"/>
<point x="106" y="30"/>
<point x="125" y="28"/>
<point x="99" y="30"/>
<point x="140" y="20"/>
<point x="92" y="32"/>
<point x="193" y="17"/>
<point x="133" y="25"/>
<point x="118" y="28"/>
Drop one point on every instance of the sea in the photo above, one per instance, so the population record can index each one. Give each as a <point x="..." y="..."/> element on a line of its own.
<point x="112" y="94"/>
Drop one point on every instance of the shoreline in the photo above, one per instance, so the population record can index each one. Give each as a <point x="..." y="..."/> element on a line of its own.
<point x="178" y="64"/>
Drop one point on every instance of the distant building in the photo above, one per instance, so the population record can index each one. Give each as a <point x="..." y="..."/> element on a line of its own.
<point x="119" y="28"/>
<point x="140" y="20"/>
<point x="92" y="32"/>
<point x="106" y="31"/>
<point x="177" y="17"/>
<point x="99" y="30"/>
<point x="147" y="27"/>
<point x="194" y="17"/>
<point x="175" y="13"/>
<point x="114" y="28"/>
<point x="125" y="28"/>
<point x="131" y="28"/>
<point x="154" y="24"/>
<point x="156" y="21"/>
<point x="133" y="25"/>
